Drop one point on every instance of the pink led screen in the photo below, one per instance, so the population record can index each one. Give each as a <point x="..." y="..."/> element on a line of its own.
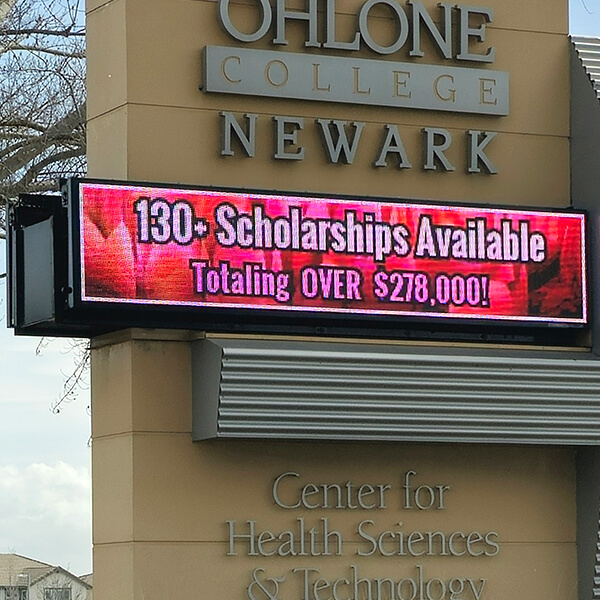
<point x="206" y="248"/>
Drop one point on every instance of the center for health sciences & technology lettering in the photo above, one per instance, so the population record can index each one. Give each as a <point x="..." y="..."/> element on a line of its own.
<point x="242" y="250"/>
<point x="311" y="538"/>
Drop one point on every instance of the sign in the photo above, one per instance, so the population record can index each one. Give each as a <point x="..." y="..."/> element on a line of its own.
<point x="356" y="81"/>
<point x="216" y="249"/>
<point x="455" y="33"/>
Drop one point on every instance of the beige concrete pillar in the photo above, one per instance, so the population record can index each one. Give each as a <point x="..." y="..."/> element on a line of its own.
<point x="171" y="517"/>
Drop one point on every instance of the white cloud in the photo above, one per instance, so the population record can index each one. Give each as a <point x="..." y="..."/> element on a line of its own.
<point x="45" y="513"/>
<point x="29" y="386"/>
<point x="44" y="457"/>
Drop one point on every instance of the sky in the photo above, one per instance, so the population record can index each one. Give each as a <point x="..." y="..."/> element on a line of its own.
<point x="45" y="456"/>
<point x="44" y="453"/>
<point x="584" y="17"/>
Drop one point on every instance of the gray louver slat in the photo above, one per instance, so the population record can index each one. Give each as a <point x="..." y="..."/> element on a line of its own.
<point x="313" y="390"/>
<point x="588" y="50"/>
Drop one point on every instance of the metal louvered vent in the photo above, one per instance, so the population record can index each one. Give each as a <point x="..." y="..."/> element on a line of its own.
<point x="336" y="391"/>
<point x="588" y="50"/>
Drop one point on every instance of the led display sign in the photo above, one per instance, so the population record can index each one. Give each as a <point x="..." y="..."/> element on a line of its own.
<point x="288" y="254"/>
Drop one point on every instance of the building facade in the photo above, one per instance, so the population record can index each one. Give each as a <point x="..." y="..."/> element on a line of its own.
<point x="23" y="578"/>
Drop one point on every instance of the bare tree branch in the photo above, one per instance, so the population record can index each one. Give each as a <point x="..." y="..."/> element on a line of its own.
<point x="42" y="114"/>
<point x="34" y="48"/>
<point x="59" y="131"/>
<point x="20" y="122"/>
<point x="38" y="167"/>
<point x="42" y="92"/>
<point x="68" y="32"/>
<point x="76" y="380"/>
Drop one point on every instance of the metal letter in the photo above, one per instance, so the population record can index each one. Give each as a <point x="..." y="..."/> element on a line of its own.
<point x="330" y="29"/>
<point x="363" y="19"/>
<point x="275" y="490"/>
<point x="316" y="85"/>
<point x="234" y="32"/>
<point x="341" y="148"/>
<point x="306" y="571"/>
<point x="285" y="73"/>
<point x="284" y="137"/>
<point x="393" y="143"/>
<point x="419" y="13"/>
<point x="486" y="93"/>
<point x="357" y="89"/>
<point x="467" y="32"/>
<point x="224" y="69"/>
<point x="451" y="97"/>
<point x="248" y="140"/>
<point x="476" y="154"/>
<point x="406" y="487"/>
<point x="398" y="84"/>
<point x="310" y="16"/>
<point x="435" y="151"/>
<point x="267" y="593"/>
<point x="249" y="537"/>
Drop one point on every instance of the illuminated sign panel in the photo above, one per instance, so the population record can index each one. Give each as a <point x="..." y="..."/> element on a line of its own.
<point x="225" y="249"/>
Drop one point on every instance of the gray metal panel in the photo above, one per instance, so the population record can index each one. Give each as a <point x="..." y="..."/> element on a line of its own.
<point x="206" y="361"/>
<point x="38" y="272"/>
<point x="335" y="391"/>
<point x="588" y="52"/>
<point x="336" y="79"/>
